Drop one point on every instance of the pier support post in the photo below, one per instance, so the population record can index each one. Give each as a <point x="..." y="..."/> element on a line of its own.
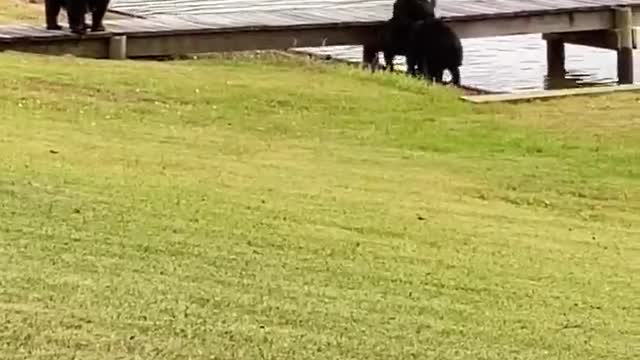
<point x="624" y="28"/>
<point x="369" y="57"/>
<point x="118" y="47"/>
<point x="555" y="57"/>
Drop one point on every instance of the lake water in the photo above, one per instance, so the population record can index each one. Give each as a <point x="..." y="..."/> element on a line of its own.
<point x="516" y="63"/>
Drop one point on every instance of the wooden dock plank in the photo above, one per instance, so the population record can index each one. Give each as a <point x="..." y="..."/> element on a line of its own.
<point x="374" y="16"/>
<point x="224" y="6"/>
<point x="548" y="94"/>
<point x="183" y="16"/>
<point x="10" y="33"/>
<point x="223" y="25"/>
<point x="445" y="7"/>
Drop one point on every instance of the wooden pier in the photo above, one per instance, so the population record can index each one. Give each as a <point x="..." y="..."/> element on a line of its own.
<point x="186" y="29"/>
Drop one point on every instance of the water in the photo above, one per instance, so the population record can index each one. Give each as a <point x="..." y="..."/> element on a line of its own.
<point x="516" y="63"/>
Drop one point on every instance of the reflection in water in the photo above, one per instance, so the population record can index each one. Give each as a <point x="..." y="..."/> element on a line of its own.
<point x="516" y="63"/>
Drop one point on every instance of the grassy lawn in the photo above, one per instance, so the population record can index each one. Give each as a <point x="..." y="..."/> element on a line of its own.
<point x="21" y="11"/>
<point x="276" y="209"/>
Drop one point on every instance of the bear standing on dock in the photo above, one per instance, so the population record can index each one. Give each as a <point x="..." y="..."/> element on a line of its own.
<point x="76" y="11"/>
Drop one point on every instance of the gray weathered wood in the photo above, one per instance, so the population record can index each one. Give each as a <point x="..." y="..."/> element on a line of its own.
<point x="604" y="39"/>
<point x="139" y="46"/>
<point x="353" y="8"/>
<point x="624" y="26"/>
<point x="181" y="31"/>
<point x="88" y="47"/>
<point x="511" y="17"/>
<point x="533" y="24"/>
<point x="118" y="47"/>
<point x="548" y="94"/>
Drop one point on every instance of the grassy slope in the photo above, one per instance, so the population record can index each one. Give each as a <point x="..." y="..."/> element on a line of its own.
<point x="254" y="209"/>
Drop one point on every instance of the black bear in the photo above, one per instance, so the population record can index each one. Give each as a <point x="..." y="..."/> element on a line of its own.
<point x="76" y="11"/>
<point x="395" y="33"/>
<point x="394" y="40"/>
<point x="407" y="11"/>
<point x="433" y="48"/>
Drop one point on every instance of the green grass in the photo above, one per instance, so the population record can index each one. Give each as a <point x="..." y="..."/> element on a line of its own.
<point x="21" y="11"/>
<point x="276" y="209"/>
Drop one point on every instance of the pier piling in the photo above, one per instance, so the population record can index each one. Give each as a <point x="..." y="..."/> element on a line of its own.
<point x="624" y="29"/>
<point x="555" y="58"/>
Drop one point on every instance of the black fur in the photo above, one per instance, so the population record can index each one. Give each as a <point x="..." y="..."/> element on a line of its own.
<point x="407" y="11"/>
<point x="435" y="47"/>
<point x="394" y="38"/>
<point x="76" y="11"/>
